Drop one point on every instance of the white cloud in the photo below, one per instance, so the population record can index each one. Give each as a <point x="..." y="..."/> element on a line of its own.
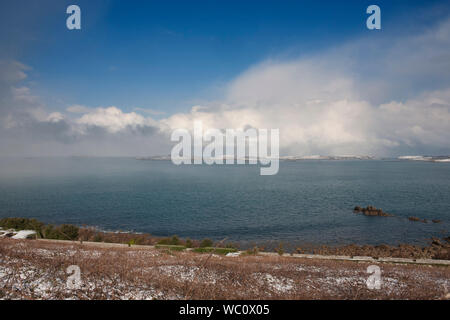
<point x="345" y="102"/>
<point x="28" y="127"/>
<point x="114" y="120"/>
<point x="55" y="117"/>
<point x="383" y="97"/>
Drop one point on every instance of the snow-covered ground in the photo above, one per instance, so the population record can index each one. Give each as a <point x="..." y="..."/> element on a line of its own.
<point x="24" y="234"/>
<point x="31" y="269"/>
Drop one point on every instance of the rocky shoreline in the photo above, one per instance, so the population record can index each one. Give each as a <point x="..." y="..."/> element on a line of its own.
<point x="437" y="249"/>
<point x="17" y="228"/>
<point x="371" y="211"/>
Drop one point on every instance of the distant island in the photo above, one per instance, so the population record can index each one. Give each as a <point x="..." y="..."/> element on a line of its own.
<point x="426" y="158"/>
<point x="286" y="158"/>
<point x="319" y="157"/>
<point x="333" y="157"/>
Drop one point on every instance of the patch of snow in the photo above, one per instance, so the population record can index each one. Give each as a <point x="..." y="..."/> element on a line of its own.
<point x="233" y="254"/>
<point x="278" y="284"/>
<point x="185" y="274"/>
<point x="24" y="234"/>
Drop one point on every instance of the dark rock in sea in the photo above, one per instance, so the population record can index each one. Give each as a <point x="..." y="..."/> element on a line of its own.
<point x="372" y="211"/>
<point x="357" y="209"/>
<point x="415" y="219"/>
<point x="436" y="221"/>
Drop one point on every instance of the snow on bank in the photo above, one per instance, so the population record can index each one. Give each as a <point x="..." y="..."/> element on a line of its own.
<point x="24" y="234"/>
<point x="11" y="233"/>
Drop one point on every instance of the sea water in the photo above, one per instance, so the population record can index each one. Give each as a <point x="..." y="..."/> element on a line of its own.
<point x="307" y="202"/>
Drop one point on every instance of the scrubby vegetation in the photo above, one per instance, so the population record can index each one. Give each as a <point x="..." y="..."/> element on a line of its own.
<point x="37" y="270"/>
<point x="214" y="250"/>
<point x="170" y="247"/>
<point x="437" y="249"/>
<point x="95" y="235"/>
<point x="280" y="249"/>
<point x="252" y="251"/>
<point x="206" y="243"/>
<point x="22" y="224"/>
<point x="174" y="241"/>
<point x="63" y="232"/>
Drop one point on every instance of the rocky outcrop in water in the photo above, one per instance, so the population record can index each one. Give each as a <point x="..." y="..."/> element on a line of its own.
<point x="415" y="219"/>
<point x="436" y="249"/>
<point x="372" y="211"/>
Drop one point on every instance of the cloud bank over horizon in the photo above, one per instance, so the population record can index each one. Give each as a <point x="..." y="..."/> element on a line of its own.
<point x="378" y="96"/>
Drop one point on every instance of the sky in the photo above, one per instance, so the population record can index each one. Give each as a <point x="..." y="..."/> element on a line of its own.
<point x="137" y="70"/>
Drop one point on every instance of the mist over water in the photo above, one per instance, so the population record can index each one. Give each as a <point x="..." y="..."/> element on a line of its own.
<point x="308" y="202"/>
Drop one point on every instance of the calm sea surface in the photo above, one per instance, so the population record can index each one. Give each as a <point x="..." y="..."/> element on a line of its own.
<point x="308" y="202"/>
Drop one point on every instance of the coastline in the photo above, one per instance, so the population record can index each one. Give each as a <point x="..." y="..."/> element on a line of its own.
<point x="436" y="249"/>
<point x="106" y="245"/>
<point x="130" y="266"/>
<point x="37" y="269"/>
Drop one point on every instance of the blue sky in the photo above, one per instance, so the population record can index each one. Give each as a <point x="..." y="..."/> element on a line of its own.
<point x="138" y="69"/>
<point x="169" y="55"/>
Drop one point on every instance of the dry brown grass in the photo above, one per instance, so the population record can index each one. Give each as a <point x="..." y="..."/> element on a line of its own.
<point x="37" y="270"/>
<point x="437" y="249"/>
<point x="91" y="234"/>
